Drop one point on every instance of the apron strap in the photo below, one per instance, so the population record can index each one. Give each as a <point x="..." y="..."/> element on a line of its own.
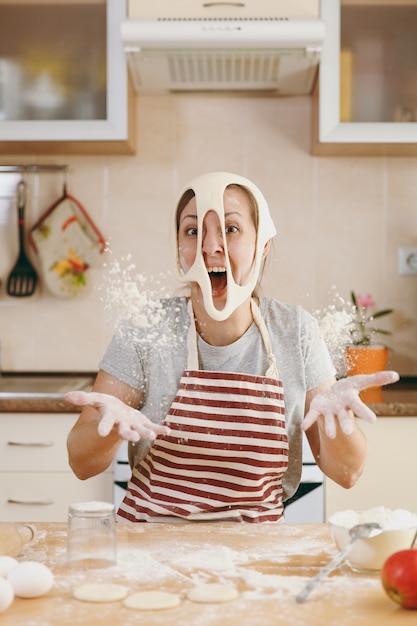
<point x="192" y="351"/>
<point x="272" y="371"/>
<point x="193" y="364"/>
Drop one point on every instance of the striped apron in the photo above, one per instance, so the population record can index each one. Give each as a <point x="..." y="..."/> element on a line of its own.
<point x="226" y="453"/>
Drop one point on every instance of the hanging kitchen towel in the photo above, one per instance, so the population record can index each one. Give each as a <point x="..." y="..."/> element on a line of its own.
<point x="68" y="244"/>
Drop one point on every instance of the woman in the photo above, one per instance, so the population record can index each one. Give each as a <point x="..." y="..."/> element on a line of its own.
<point x="223" y="404"/>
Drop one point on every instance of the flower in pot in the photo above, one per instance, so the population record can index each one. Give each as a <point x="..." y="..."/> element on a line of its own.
<point x="365" y="354"/>
<point x="362" y="331"/>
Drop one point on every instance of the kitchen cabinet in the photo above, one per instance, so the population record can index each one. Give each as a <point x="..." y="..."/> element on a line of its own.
<point x="366" y="96"/>
<point x="64" y="86"/>
<point x="36" y="482"/>
<point x="388" y="476"/>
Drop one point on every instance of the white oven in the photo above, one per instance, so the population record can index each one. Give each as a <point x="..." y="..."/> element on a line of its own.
<point x="121" y="474"/>
<point x="307" y="504"/>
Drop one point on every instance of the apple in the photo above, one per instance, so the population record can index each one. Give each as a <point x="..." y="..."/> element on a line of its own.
<point x="399" y="578"/>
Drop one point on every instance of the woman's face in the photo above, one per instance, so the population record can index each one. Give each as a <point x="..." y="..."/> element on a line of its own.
<point x="240" y="234"/>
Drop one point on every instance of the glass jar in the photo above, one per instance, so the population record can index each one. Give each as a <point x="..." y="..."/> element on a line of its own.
<point x="91" y="539"/>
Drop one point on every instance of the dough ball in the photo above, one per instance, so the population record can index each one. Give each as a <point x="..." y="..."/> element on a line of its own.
<point x="213" y="593"/>
<point x="6" y="564"/>
<point x="150" y="600"/>
<point x="100" y="592"/>
<point x="30" y="579"/>
<point x="6" y="594"/>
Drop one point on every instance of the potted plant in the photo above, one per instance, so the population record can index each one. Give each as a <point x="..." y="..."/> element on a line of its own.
<point x="366" y="354"/>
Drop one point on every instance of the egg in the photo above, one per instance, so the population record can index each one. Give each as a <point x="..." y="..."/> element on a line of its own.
<point x="6" y="594"/>
<point x="30" y="579"/>
<point x="6" y="564"/>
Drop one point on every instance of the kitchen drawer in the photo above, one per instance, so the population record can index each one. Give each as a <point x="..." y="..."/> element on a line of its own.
<point x="31" y="441"/>
<point x="45" y="496"/>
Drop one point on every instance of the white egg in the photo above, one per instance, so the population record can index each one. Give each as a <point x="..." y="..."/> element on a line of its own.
<point x="30" y="579"/>
<point x="6" y="594"/>
<point x="6" y="564"/>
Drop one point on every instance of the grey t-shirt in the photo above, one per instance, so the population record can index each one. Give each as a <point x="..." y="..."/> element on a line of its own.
<point x="150" y="354"/>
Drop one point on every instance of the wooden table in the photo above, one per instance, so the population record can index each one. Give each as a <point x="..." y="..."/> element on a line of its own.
<point x="268" y="563"/>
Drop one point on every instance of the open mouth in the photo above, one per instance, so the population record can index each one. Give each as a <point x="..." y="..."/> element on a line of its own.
<point x="218" y="279"/>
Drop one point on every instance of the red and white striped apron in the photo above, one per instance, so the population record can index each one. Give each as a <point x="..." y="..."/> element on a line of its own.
<point x="226" y="453"/>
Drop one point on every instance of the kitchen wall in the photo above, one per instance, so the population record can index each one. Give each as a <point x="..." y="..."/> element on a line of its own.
<point x="340" y="221"/>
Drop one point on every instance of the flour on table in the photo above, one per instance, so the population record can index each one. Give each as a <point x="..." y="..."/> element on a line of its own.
<point x="214" y="558"/>
<point x="212" y="593"/>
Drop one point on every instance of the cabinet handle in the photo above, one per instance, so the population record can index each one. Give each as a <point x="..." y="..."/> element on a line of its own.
<point x="33" y="444"/>
<point x="29" y="502"/>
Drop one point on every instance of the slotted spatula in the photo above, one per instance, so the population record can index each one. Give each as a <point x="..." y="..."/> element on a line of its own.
<point x="23" y="278"/>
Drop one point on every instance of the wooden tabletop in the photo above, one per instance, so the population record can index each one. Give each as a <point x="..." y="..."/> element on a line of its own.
<point x="267" y="563"/>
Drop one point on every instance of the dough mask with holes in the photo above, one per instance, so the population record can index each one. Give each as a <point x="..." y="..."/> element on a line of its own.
<point x="209" y="193"/>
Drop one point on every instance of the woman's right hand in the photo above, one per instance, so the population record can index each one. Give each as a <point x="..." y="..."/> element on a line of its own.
<point x="132" y="425"/>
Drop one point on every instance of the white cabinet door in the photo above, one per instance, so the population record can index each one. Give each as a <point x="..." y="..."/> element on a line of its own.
<point x="367" y="86"/>
<point x="388" y="478"/>
<point x="63" y="76"/>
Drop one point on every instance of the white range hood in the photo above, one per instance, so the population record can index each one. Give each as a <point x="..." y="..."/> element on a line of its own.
<point x="191" y="45"/>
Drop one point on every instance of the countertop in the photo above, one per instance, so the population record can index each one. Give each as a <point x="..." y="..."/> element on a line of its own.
<point x="29" y="392"/>
<point x="400" y="399"/>
<point x="41" y="392"/>
<point x="268" y="564"/>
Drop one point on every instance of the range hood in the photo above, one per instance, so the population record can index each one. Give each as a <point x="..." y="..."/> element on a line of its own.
<point x="255" y="45"/>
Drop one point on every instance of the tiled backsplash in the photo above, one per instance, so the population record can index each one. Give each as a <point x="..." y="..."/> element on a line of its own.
<point x="340" y="220"/>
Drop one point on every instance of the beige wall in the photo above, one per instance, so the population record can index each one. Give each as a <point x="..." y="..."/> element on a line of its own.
<point x="340" y="220"/>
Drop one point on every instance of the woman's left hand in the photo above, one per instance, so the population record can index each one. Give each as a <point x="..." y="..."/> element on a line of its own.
<point x="341" y="399"/>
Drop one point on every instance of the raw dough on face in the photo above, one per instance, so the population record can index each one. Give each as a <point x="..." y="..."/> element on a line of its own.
<point x="100" y="592"/>
<point x="149" y="600"/>
<point x="213" y="593"/>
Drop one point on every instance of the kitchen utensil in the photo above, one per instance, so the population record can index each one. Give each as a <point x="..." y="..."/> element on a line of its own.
<point x="23" y="278"/>
<point x="12" y="538"/>
<point x="356" y="532"/>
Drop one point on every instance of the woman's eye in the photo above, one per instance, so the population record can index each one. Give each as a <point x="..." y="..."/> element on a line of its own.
<point x="191" y="231"/>
<point x="231" y="229"/>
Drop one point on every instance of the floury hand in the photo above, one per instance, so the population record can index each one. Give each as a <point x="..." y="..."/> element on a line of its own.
<point x="132" y="425"/>
<point x="337" y="402"/>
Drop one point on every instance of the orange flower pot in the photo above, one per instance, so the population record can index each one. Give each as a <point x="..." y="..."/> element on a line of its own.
<point x="367" y="360"/>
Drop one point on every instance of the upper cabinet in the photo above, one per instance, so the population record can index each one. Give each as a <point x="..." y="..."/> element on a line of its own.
<point x="366" y="97"/>
<point x="63" y="78"/>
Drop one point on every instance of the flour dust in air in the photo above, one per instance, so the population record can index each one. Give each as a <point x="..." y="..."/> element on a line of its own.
<point x="134" y="303"/>
<point x="335" y="322"/>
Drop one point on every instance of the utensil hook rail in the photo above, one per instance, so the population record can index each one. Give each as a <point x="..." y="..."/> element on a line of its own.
<point x="35" y="169"/>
